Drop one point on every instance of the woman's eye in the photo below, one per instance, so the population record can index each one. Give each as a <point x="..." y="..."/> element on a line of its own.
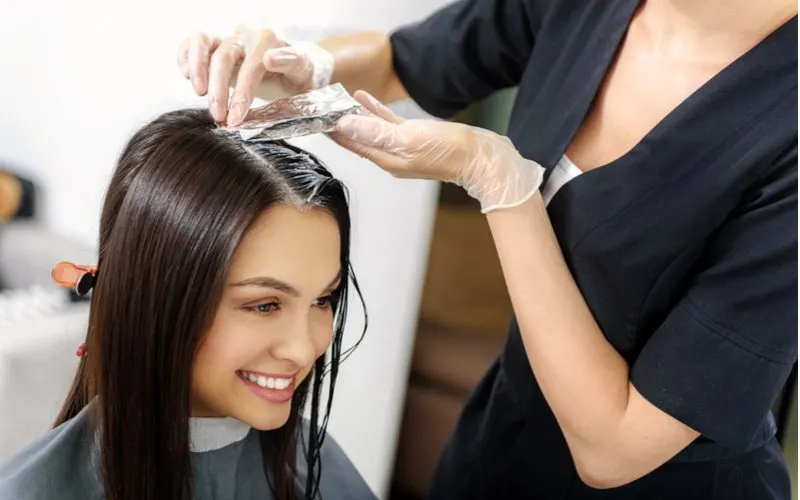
<point x="323" y="302"/>
<point x="266" y="308"/>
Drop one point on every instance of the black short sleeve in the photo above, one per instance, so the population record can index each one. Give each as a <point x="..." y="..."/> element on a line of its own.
<point x="722" y="355"/>
<point x="465" y="51"/>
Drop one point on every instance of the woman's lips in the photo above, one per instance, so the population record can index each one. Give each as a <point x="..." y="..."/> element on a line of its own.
<point x="274" y="388"/>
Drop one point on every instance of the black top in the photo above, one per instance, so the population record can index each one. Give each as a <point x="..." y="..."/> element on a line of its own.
<point x="685" y="248"/>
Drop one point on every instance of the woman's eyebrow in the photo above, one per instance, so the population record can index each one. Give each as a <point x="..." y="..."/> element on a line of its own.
<point x="335" y="281"/>
<point x="276" y="284"/>
<point x="269" y="282"/>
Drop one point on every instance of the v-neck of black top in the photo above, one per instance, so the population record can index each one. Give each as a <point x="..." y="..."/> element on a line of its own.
<point x="690" y="127"/>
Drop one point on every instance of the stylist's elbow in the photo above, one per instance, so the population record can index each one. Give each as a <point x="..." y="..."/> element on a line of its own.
<point x="604" y="470"/>
<point x="599" y="478"/>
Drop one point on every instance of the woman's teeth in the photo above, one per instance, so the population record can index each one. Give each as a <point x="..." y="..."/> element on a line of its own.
<point x="268" y="382"/>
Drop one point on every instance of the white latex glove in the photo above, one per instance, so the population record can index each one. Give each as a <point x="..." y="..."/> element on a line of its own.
<point x="253" y="64"/>
<point x="485" y="164"/>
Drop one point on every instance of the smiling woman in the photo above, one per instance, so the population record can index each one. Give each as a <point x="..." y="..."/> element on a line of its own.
<point x="217" y="312"/>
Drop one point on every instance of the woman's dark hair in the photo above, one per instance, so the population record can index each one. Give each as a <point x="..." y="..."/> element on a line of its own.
<point x="182" y="197"/>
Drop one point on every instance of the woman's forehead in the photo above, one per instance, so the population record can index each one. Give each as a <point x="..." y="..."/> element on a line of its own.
<point x="297" y="246"/>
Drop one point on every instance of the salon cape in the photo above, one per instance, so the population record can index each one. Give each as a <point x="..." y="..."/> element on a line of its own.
<point x="226" y="462"/>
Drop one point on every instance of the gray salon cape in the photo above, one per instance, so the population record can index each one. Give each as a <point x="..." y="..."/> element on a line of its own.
<point x="226" y="460"/>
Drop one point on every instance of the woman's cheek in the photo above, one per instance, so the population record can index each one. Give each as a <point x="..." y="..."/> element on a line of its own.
<point x="323" y="336"/>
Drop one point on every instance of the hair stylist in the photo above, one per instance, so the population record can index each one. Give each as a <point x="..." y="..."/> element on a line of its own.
<point x="652" y="262"/>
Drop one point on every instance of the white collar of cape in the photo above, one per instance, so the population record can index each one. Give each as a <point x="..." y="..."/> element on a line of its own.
<point x="209" y="434"/>
<point x="205" y="434"/>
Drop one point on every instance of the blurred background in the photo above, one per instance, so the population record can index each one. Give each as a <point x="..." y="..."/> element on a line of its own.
<point x="78" y="78"/>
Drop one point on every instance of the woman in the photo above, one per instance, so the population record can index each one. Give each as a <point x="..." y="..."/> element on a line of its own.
<point x="218" y="310"/>
<point x="653" y="277"/>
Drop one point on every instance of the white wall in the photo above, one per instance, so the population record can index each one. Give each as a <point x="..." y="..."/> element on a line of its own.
<point x="77" y="78"/>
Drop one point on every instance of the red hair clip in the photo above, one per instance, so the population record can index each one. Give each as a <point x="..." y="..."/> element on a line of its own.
<point x="80" y="278"/>
<point x="69" y="275"/>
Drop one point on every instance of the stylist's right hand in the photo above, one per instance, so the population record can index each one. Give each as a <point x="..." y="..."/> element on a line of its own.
<point x="243" y="61"/>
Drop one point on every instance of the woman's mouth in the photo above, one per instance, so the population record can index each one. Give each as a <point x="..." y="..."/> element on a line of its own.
<point x="274" y="388"/>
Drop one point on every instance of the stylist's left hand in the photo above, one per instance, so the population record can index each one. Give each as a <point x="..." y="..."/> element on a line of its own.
<point x="485" y="164"/>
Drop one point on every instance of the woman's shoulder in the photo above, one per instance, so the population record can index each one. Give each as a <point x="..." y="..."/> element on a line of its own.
<point x="57" y="465"/>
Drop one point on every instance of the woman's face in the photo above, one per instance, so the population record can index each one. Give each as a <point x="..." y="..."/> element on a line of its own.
<point x="275" y="318"/>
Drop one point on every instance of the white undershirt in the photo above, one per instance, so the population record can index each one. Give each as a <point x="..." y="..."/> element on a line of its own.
<point x="562" y="173"/>
<point x="208" y="434"/>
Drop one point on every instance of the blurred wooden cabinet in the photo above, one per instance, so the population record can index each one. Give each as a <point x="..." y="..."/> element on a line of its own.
<point x="464" y="286"/>
<point x="464" y="316"/>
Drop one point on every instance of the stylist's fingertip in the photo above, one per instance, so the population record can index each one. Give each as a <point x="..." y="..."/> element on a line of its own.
<point x="373" y="100"/>
<point x="346" y="126"/>
<point x="199" y="85"/>
<point x="375" y="107"/>
<point x="233" y="119"/>
<point x="237" y="112"/>
<point x="366" y="98"/>
<point x="216" y="109"/>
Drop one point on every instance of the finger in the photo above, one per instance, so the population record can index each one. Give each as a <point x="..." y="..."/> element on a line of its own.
<point x="199" y="50"/>
<point x="371" y="131"/>
<point x="250" y="76"/>
<point x="397" y="166"/>
<point x="383" y="159"/>
<point x="225" y="58"/>
<point x="375" y="106"/>
<point x="281" y="59"/>
<point x="183" y="58"/>
<point x="292" y="64"/>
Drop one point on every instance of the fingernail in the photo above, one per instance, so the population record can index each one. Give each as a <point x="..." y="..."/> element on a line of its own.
<point x="276" y="61"/>
<point x="347" y="126"/>
<point x="282" y="58"/>
<point x="374" y="101"/>
<point x="216" y="109"/>
<point x="237" y="112"/>
<point x="199" y="85"/>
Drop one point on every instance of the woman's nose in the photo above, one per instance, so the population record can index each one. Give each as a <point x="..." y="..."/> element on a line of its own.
<point x="297" y="342"/>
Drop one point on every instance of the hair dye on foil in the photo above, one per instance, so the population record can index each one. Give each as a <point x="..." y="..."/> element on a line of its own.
<point x="313" y="112"/>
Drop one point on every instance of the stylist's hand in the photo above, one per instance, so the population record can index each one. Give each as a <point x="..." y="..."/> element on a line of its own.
<point x="245" y="60"/>
<point x="485" y="164"/>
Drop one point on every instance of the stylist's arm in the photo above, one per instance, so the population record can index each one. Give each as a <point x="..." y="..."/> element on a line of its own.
<point x="611" y="429"/>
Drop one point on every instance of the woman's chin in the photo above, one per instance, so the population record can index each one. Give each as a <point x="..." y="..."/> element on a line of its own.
<point x="268" y="425"/>
<point x="266" y="420"/>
